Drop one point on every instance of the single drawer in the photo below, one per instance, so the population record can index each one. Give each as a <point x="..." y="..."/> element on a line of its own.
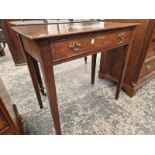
<point x="151" y="50"/>
<point x="3" y="122"/>
<point x="148" y="67"/>
<point x="81" y="45"/>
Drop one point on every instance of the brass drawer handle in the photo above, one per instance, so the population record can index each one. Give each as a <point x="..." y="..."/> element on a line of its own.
<point x="121" y="36"/>
<point x="75" y="46"/>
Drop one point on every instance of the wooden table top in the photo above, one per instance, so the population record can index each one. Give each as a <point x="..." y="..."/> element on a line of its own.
<point x="50" y="21"/>
<point x="62" y="29"/>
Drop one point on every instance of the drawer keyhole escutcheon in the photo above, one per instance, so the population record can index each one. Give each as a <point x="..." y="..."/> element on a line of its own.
<point x="101" y="38"/>
<point x="75" y="46"/>
<point x="121" y="36"/>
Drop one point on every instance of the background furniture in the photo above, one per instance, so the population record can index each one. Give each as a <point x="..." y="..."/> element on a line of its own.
<point x="9" y="119"/>
<point x="51" y="45"/>
<point x="13" y="42"/>
<point x="141" y="66"/>
<point x="2" y="53"/>
<point x="2" y="41"/>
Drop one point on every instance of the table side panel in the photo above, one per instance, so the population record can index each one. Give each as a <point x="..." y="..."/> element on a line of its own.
<point x="30" y="47"/>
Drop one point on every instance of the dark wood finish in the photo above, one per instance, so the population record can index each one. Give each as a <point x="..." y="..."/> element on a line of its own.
<point x="0" y="23"/>
<point x="148" y="67"/>
<point x="39" y="78"/>
<point x="13" y="42"/>
<point x="43" y="31"/>
<point x="38" y="22"/>
<point x="12" y="39"/>
<point x="55" y="44"/>
<point x="126" y="55"/>
<point x="140" y="67"/>
<point x="85" y="59"/>
<point x="46" y="61"/>
<point x="61" y="50"/>
<point x="33" y="73"/>
<point x="93" y="65"/>
<point x="47" y="21"/>
<point x="10" y="123"/>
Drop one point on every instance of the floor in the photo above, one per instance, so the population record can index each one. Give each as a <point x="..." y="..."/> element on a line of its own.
<point x="84" y="109"/>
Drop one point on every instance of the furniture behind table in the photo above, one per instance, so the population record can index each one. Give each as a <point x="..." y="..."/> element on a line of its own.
<point x="141" y="66"/>
<point x="10" y="123"/>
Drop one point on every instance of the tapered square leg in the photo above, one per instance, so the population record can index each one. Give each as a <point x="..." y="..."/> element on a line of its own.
<point x="39" y="78"/>
<point x="124" y="61"/>
<point x="93" y="68"/>
<point x="32" y="69"/>
<point x="31" y="66"/>
<point x="85" y="59"/>
<point x="46" y="63"/>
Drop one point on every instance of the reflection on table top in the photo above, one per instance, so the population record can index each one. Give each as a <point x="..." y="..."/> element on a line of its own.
<point x="61" y="29"/>
<point x="49" y="21"/>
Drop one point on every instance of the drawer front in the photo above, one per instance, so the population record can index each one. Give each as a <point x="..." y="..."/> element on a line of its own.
<point x="82" y="45"/>
<point x="148" y="67"/>
<point x="151" y="50"/>
<point x="3" y="122"/>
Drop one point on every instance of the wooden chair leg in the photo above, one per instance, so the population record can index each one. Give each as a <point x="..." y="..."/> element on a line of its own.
<point x="39" y="78"/>
<point x="93" y="67"/>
